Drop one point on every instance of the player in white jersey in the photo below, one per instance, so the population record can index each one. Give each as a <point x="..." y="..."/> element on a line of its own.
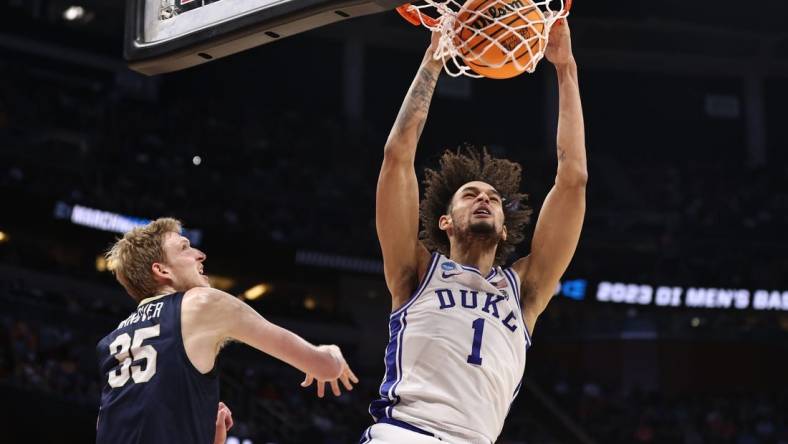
<point x="461" y="324"/>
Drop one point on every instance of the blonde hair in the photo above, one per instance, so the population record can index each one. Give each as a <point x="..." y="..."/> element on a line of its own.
<point x="132" y="256"/>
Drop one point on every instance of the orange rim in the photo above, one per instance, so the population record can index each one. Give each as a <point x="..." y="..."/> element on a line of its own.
<point x="416" y="18"/>
<point x="412" y="15"/>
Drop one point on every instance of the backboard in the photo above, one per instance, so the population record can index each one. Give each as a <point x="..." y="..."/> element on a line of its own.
<point x="169" y="35"/>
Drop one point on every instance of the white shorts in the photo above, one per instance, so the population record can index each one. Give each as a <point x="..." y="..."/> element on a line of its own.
<point x="389" y="434"/>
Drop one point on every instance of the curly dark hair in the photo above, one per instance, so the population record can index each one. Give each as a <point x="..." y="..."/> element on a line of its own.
<point x="459" y="167"/>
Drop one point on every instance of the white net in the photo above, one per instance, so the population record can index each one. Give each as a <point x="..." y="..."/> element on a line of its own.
<point x="489" y="38"/>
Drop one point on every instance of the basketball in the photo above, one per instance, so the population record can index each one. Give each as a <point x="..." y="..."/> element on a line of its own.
<point x="516" y="25"/>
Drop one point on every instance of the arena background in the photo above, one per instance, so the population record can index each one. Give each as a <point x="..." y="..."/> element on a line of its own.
<point x="670" y="324"/>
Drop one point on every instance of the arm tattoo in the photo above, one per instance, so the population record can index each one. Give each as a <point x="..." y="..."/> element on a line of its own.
<point x="561" y="155"/>
<point x="417" y="102"/>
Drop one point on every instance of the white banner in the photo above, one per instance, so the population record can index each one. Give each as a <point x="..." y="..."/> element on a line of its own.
<point x="693" y="297"/>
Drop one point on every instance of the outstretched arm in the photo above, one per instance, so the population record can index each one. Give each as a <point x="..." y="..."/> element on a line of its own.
<point x="397" y="202"/>
<point x="558" y="227"/>
<point x="210" y="318"/>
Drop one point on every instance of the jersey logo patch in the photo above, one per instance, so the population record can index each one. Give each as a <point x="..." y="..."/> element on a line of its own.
<point x="449" y="269"/>
<point x="448" y="266"/>
<point x="446" y="275"/>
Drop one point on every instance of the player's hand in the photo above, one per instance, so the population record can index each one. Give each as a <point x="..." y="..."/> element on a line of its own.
<point x="559" y="44"/>
<point x="346" y="375"/>
<point x="224" y="422"/>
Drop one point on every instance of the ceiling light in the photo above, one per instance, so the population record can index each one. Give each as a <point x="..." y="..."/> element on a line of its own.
<point x="256" y="291"/>
<point x="101" y="263"/>
<point x="73" y="13"/>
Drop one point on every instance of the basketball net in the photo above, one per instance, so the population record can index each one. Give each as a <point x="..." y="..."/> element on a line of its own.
<point x="525" y="27"/>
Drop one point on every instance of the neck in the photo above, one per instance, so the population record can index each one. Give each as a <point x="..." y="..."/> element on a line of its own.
<point x="163" y="291"/>
<point x="475" y="254"/>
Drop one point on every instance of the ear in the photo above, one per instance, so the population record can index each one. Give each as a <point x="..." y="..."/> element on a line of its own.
<point x="160" y="272"/>
<point x="445" y="223"/>
<point x="504" y="233"/>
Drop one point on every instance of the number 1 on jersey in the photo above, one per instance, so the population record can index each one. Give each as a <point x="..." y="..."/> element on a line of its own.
<point x="476" y="350"/>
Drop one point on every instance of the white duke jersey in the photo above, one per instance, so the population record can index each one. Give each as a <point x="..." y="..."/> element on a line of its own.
<point x="456" y="354"/>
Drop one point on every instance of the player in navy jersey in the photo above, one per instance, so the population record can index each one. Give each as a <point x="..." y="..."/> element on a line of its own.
<point x="461" y="324"/>
<point x="158" y="365"/>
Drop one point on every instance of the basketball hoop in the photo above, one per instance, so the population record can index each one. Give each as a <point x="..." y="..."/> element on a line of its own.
<point x="488" y="38"/>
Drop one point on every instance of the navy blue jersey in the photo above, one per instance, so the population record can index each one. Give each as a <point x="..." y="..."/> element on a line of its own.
<point x="151" y="391"/>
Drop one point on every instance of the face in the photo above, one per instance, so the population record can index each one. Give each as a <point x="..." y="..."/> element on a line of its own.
<point x="476" y="210"/>
<point x="182" y="268"/>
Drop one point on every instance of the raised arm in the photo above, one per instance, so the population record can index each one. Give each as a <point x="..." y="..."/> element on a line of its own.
<point x="558" y="227"/>
<point x="405" y="259"/>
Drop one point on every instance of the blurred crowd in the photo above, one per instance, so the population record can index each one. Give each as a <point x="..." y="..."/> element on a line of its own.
<point x="567" y="319"/>
<point x="47" y="340"/>
<point x="652" y="417"/>
<point x="48" y="358"/>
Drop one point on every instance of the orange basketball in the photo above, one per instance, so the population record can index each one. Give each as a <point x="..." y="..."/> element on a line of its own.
<point x="480" y="25"/>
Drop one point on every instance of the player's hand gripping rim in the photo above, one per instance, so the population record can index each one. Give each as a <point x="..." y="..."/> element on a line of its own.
<point x="346" y="376"/>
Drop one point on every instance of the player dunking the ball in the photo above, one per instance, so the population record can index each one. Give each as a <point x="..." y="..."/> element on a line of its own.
<point x="461" y="324"/>
<point x="158" y="365"/>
